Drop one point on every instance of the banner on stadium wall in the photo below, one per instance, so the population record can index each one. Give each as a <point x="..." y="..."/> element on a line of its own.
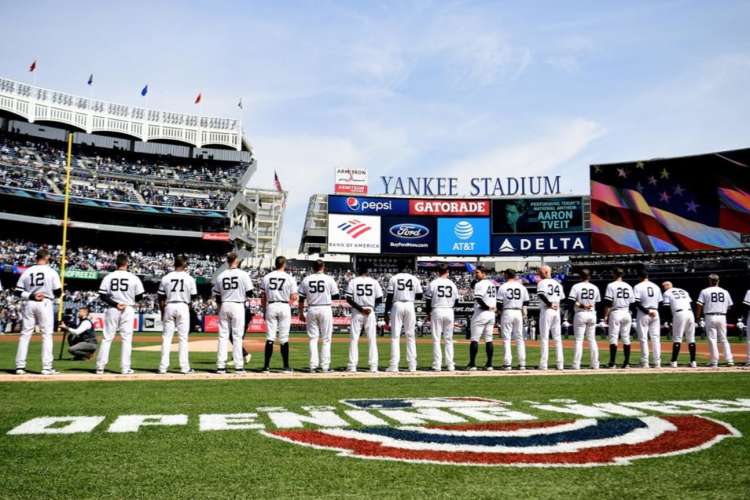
<point x="541" y="244"/>
<point x="412" y="235"/>
<point x="449" y="207"/>
<point x="151" y="322"/>
<point x="351" y="181"/>
<point x="97" y="319"/>
<point x="463" y="236"/>
<point x="215" y="236"/>
<point x="353" y="234"/>
<point x="81" y="275"/>
<point x="537" y="215"/>
<point x="367" y="205"/>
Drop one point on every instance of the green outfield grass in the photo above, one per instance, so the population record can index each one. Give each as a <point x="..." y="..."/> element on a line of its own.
<point x="181" y="462"/>
<point x="148" y="361"/>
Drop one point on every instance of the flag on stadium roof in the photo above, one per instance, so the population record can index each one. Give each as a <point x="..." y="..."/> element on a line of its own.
<point x="91" y="79"/>
<point x="277" y="182"/>
<point x="32" y="67"/>
<point x="662" y="205"/>
<point x="198" y="98"/>
<point x="239" y="104"/>
<point x="144" y="90"/>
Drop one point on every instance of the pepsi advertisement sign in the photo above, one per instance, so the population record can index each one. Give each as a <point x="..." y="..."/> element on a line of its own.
<point x="366" y="205"/>
<point x="464" y="236"/>
<point x="409" y="235"/>
<point x="541" y="244"/>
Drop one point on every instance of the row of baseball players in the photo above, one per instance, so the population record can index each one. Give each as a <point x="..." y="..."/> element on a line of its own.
<point x="39" y="285"/>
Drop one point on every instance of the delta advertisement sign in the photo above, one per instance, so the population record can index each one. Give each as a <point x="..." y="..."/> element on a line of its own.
<point x="456" y="227"/>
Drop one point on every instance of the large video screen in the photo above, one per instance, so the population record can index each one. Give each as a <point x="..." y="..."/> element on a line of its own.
<point x="678" y="204"/>
<point x="456" y="227"/>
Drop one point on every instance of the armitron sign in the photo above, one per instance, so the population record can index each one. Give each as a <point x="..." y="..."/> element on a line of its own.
<point x="351" y="181"/>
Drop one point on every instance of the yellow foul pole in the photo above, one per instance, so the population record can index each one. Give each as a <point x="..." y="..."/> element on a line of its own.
<point x="65" y="225"/>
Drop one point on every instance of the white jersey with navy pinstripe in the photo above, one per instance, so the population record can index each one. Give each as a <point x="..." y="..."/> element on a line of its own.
<point x="442" y="292"/>
<point x="512" y="295"/>
<point x="486" y="291"/>
<point x="177" y="286"/>
<point x="232" y="285"/>
<point x="318" y="289"/>
<point x="404" y="287"/>
<point x="620" y="294"/>
<point x="39" y="279"/>
<point x="715" y="300"/>
<point x="677" y="299"/>
<point x="122" y="287"/>
<point x="278" y="286"/>
<point x="647" y="294"/>
<point x="364" y="290"/>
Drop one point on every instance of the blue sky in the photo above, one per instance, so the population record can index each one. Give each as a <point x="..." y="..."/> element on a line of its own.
<point x="412" y="88"/>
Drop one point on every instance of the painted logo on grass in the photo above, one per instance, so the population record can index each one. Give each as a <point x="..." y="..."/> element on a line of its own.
<point x="563" y="443"/>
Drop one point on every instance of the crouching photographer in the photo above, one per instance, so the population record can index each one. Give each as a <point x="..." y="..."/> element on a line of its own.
<point x="81" y="337"/>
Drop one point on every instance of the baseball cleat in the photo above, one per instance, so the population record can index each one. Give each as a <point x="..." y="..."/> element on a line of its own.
<point x="489" y="368"/>
<point x="240" y="372"/>
<point x="713" y="365"/>
<point x="673" y="364"/>
<point x="391" y="369"/>
<point x="412" y="369"/>
<point x="624" y="366"/>
<point x="645" y="365"/>
<point x="325" y="370"/>
<point x="522" y="367"/>
<point x="436" y="369"/>
<point x="50" y="371"/>
<point x="471" y="368"/>
<point x="100" y="371"/>
<point x="352" y="370"/>
<point x="286" y="369"/>
<point x="266" y="369"/>
<point x="507" y="368"/>
<point x="221" y="371"/>
<point x="561" y="368"/>
<point x="162" y="372"/>
<point x="693" y="364"/>
<point x="542" y="368"/>
<point x="373" y="369"/>
<point x="188" y="372"/>
<point x="20" y="371"/>
<point x="730" y="363"/>
<point x="128" y="372"/>
<point x="452" y="368"/>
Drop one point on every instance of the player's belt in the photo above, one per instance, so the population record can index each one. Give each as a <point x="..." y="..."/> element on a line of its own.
<point x="716" y="314"/>
<point x="318" y="305"/>
<point x="279" y="302"/>
<point x="511" y="308"/>
<point x="620" y="308"/>
<point x="177" y="302"/>
<point x="680" y="310"/>
<point x="405" y="301"/>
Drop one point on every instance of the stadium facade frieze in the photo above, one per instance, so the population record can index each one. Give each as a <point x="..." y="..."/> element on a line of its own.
<point x="540" y="185"/>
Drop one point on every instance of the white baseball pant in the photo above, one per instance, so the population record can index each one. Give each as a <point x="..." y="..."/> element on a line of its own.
<point x="320" y="328"/>
<point x="549" y="323"/>
<point x="584" y="327"/>
<point x="716" y="329"/>
<point x="482" y="324"/>
<point x="278" y="321"/>
<point x="231" y="322"/>
<point x="683" y="323"/>
<point x="117" y="321"/>
<point x="747" y="333"/>
<point x="36" y="314"/>
<point x="359" y="322"/>
<point x="441" y="322"/>
<point x="620" y="322"/>
<point x="511" y="324"/>
<point x="176" y="317"/>
<point x="649" y="329"/>
<point x="403" y="316"/>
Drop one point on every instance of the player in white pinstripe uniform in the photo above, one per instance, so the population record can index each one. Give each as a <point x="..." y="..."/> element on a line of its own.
<point x="714" y="302"/>
<point x="550" y="293"/>
<point x="618" y="298"/>
<point x="683" y="321"/>
<point x="441" y="296"/>
<point x="319" y="291"/>
<point x="279" y="289"/>
<point x="403" y="289"/>
<point x="39" y="285"/>
<point x="648" y="298"/>
<point x="231" y="288"/>
<point x="513" y="297"/>
<point x="176" y="291"/>
<point x="363" y="294"/>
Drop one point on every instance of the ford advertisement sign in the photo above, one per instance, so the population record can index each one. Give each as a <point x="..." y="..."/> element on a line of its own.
<point x="367" y="205"/>
<point x="409" y="235"/>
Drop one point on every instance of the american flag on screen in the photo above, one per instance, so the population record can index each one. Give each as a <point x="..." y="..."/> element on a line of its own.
<point x="681" y="204"/>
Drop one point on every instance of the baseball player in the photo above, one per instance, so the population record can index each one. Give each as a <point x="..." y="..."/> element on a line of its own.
<point x="550" y="293"/>
<point x="363" y="294"/>
<point x="176" y="290"/>
<point x="618" y="299"/>
<point x="584" y="296"/>
<point x="746" y="305"/>
<point x="231" y="288"/>
<point x="39" y="285"/>
<point x="441" y="296"/>
<point x="318" y="290"/>
<point x="120" y="290"/>
<point x="402" y="290"/>
<point x="648" y="298"/>
<point x="514" y="300"/>
<point x="483" y="319"/>
<point x="714" y="302"/>
<point x="279" y="288"/>
<point x="683" y="321"/>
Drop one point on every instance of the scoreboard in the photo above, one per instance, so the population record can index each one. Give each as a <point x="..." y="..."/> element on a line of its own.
<point x="456" y="227"/>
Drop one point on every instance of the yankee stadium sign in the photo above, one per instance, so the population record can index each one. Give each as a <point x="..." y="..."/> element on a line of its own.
<point x="540" y="185"/>
<point x="454" y="430"/>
